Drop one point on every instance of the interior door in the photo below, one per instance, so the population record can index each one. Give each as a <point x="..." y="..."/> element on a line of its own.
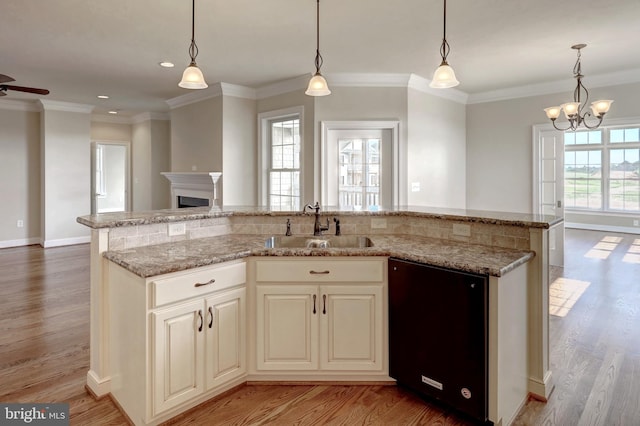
<point x="551" y="188"/>
<point x="110" y="177"/>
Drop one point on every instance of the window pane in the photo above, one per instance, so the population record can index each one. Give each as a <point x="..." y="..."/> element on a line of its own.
<point x="631" y="135"/>
<point x="624" y="184"/>
<point x="284" y="173"/>
<point x="359" y="173"/>
<point x="583" y="179"/>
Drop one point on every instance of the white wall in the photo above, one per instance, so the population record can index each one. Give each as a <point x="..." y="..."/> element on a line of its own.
<point x="436" y="158"/>
<point x="360" y="103"/>
<point x="66" y="175"/>
<point x="196" y="136"/>
<point x="19" y="175"/>
<point x="239" y="152"/>
<point x="499" y="144"/>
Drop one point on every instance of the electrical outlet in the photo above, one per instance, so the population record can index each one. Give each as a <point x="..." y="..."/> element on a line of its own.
<point x="378" y="223"/>
<point x="636" y="222"/>
<point x="177" y="229"/>
<point x="20" y="223"/>
<point x="415" y="186"/>
<point x="461" y="230"/>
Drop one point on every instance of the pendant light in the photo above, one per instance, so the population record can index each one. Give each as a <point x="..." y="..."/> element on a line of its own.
<point x="444" y="77"/>
<point x="318" y="85"/>
<point x="192" y="77"/>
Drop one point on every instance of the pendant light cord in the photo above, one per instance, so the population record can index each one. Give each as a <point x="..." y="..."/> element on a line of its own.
<point x="193" y="47"/>
<point x="318" y="55"/>
<point x="444" y="48"/>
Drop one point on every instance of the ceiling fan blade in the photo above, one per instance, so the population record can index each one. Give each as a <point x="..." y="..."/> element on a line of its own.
<point x="5" y="78"/>
<point x="26" y="89"/>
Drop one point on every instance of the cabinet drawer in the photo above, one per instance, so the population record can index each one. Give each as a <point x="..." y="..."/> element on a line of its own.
<point x="196" y="282"/>
<point x="320" y="270"/>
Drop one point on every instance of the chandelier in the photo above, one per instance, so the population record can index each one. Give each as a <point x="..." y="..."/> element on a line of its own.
<point x="573" y="110"/>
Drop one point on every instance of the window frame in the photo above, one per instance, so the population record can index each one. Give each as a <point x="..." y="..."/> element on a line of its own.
<point x="265" y="119"/>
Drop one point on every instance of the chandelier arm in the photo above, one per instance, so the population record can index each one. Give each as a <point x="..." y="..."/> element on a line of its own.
<point x="584" y="122"/>
<point x="562" y="130"/>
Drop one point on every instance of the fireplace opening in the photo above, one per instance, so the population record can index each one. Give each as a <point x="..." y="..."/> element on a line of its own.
<point x="185" y="202"/>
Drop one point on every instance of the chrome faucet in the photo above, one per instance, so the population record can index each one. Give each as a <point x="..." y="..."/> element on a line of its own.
<point x="317" y="226"/>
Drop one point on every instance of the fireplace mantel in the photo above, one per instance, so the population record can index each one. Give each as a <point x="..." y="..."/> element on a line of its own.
<point x="194" y="184"/>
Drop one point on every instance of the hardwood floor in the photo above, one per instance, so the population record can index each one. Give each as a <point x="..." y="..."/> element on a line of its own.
<point x="595" y="349"/>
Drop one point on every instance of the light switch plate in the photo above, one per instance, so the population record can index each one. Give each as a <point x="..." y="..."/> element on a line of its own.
<point x="461" y="230"/>
<point x="177" y="229"/>
<point x="378" y="223"/>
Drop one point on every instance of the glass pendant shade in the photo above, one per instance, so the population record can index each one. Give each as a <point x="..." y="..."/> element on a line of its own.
<point x="553" y="112"/>
<point x="318" y="86"/>
<point x="192" y="78"/>
<point x="600" y="107"/>
<point x="444" y="77"/>
<point x="570" y="108"/>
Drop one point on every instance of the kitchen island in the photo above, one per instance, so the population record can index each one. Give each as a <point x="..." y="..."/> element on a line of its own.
<point x="511" y="249"/>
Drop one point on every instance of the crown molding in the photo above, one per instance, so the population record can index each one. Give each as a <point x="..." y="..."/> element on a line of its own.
<point x="148" y="116"/>
<point x="48" y="105"/>
<point x="368" y="80"/>
<point x="285" y="86"/>
<point x="559" y="86"/>
<point x="20" y="105"/>
<point x="421" y="84"/>
<point x="194" y="96"/>
<point x="238" y="91"/>
<point x="110" y="118"/>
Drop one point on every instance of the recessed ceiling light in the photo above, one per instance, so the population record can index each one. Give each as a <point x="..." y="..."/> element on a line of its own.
<point x="113" y="112"/>
<point x="103" y="97"/>
<point x="167" y="64"/>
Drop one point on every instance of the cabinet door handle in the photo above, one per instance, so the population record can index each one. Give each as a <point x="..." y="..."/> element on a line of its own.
<point x="314" y="304"/>
<point x="319" y="272"/>
<point x="211" y="281"/>
<point x="201" y="320"/>
<point x="211" y="317"/>
<point x="324" y="304"/>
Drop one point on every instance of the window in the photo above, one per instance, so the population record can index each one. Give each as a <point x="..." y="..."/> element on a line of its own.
<point x="284" y="164"/>
<point x="101" y="190"/>
<point x="602" y="169"/>
<point x="359" y="169"/>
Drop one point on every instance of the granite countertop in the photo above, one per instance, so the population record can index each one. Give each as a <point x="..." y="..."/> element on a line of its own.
<point x="161" y="259"/>
<point x="114" y="220"/>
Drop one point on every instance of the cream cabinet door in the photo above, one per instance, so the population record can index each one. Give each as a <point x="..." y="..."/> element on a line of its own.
<point x="351" y="327"/>
<point x="287" y="327"/>
<point x="178" y="346"/>
<point x="225" y="342"/>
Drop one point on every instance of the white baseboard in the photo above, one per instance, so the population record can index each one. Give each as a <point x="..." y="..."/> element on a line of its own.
<point x="19" y="243"/>
<point x="604" y="228"/>
<point x="66" y="241"/>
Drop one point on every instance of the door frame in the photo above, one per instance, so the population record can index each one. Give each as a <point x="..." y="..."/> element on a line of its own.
<point x="392" y="126"/>
<point x="127" y="172"/>
<point x="556" y="233"/>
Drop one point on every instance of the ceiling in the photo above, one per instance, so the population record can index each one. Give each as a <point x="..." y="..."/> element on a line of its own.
<point x="79" y="49"/>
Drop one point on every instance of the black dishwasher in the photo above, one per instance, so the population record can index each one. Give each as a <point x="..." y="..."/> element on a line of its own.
<point x="438" y="329"/>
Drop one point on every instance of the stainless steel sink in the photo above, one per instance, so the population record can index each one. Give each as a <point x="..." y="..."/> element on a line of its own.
<point x="343" y="241"/>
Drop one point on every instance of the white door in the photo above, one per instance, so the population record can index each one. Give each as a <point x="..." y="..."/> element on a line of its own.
<point x="351" y="327"/>
<point x="110" y="177"/>
<point x="550" y="184"/>
<point x="359" y="167"/>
